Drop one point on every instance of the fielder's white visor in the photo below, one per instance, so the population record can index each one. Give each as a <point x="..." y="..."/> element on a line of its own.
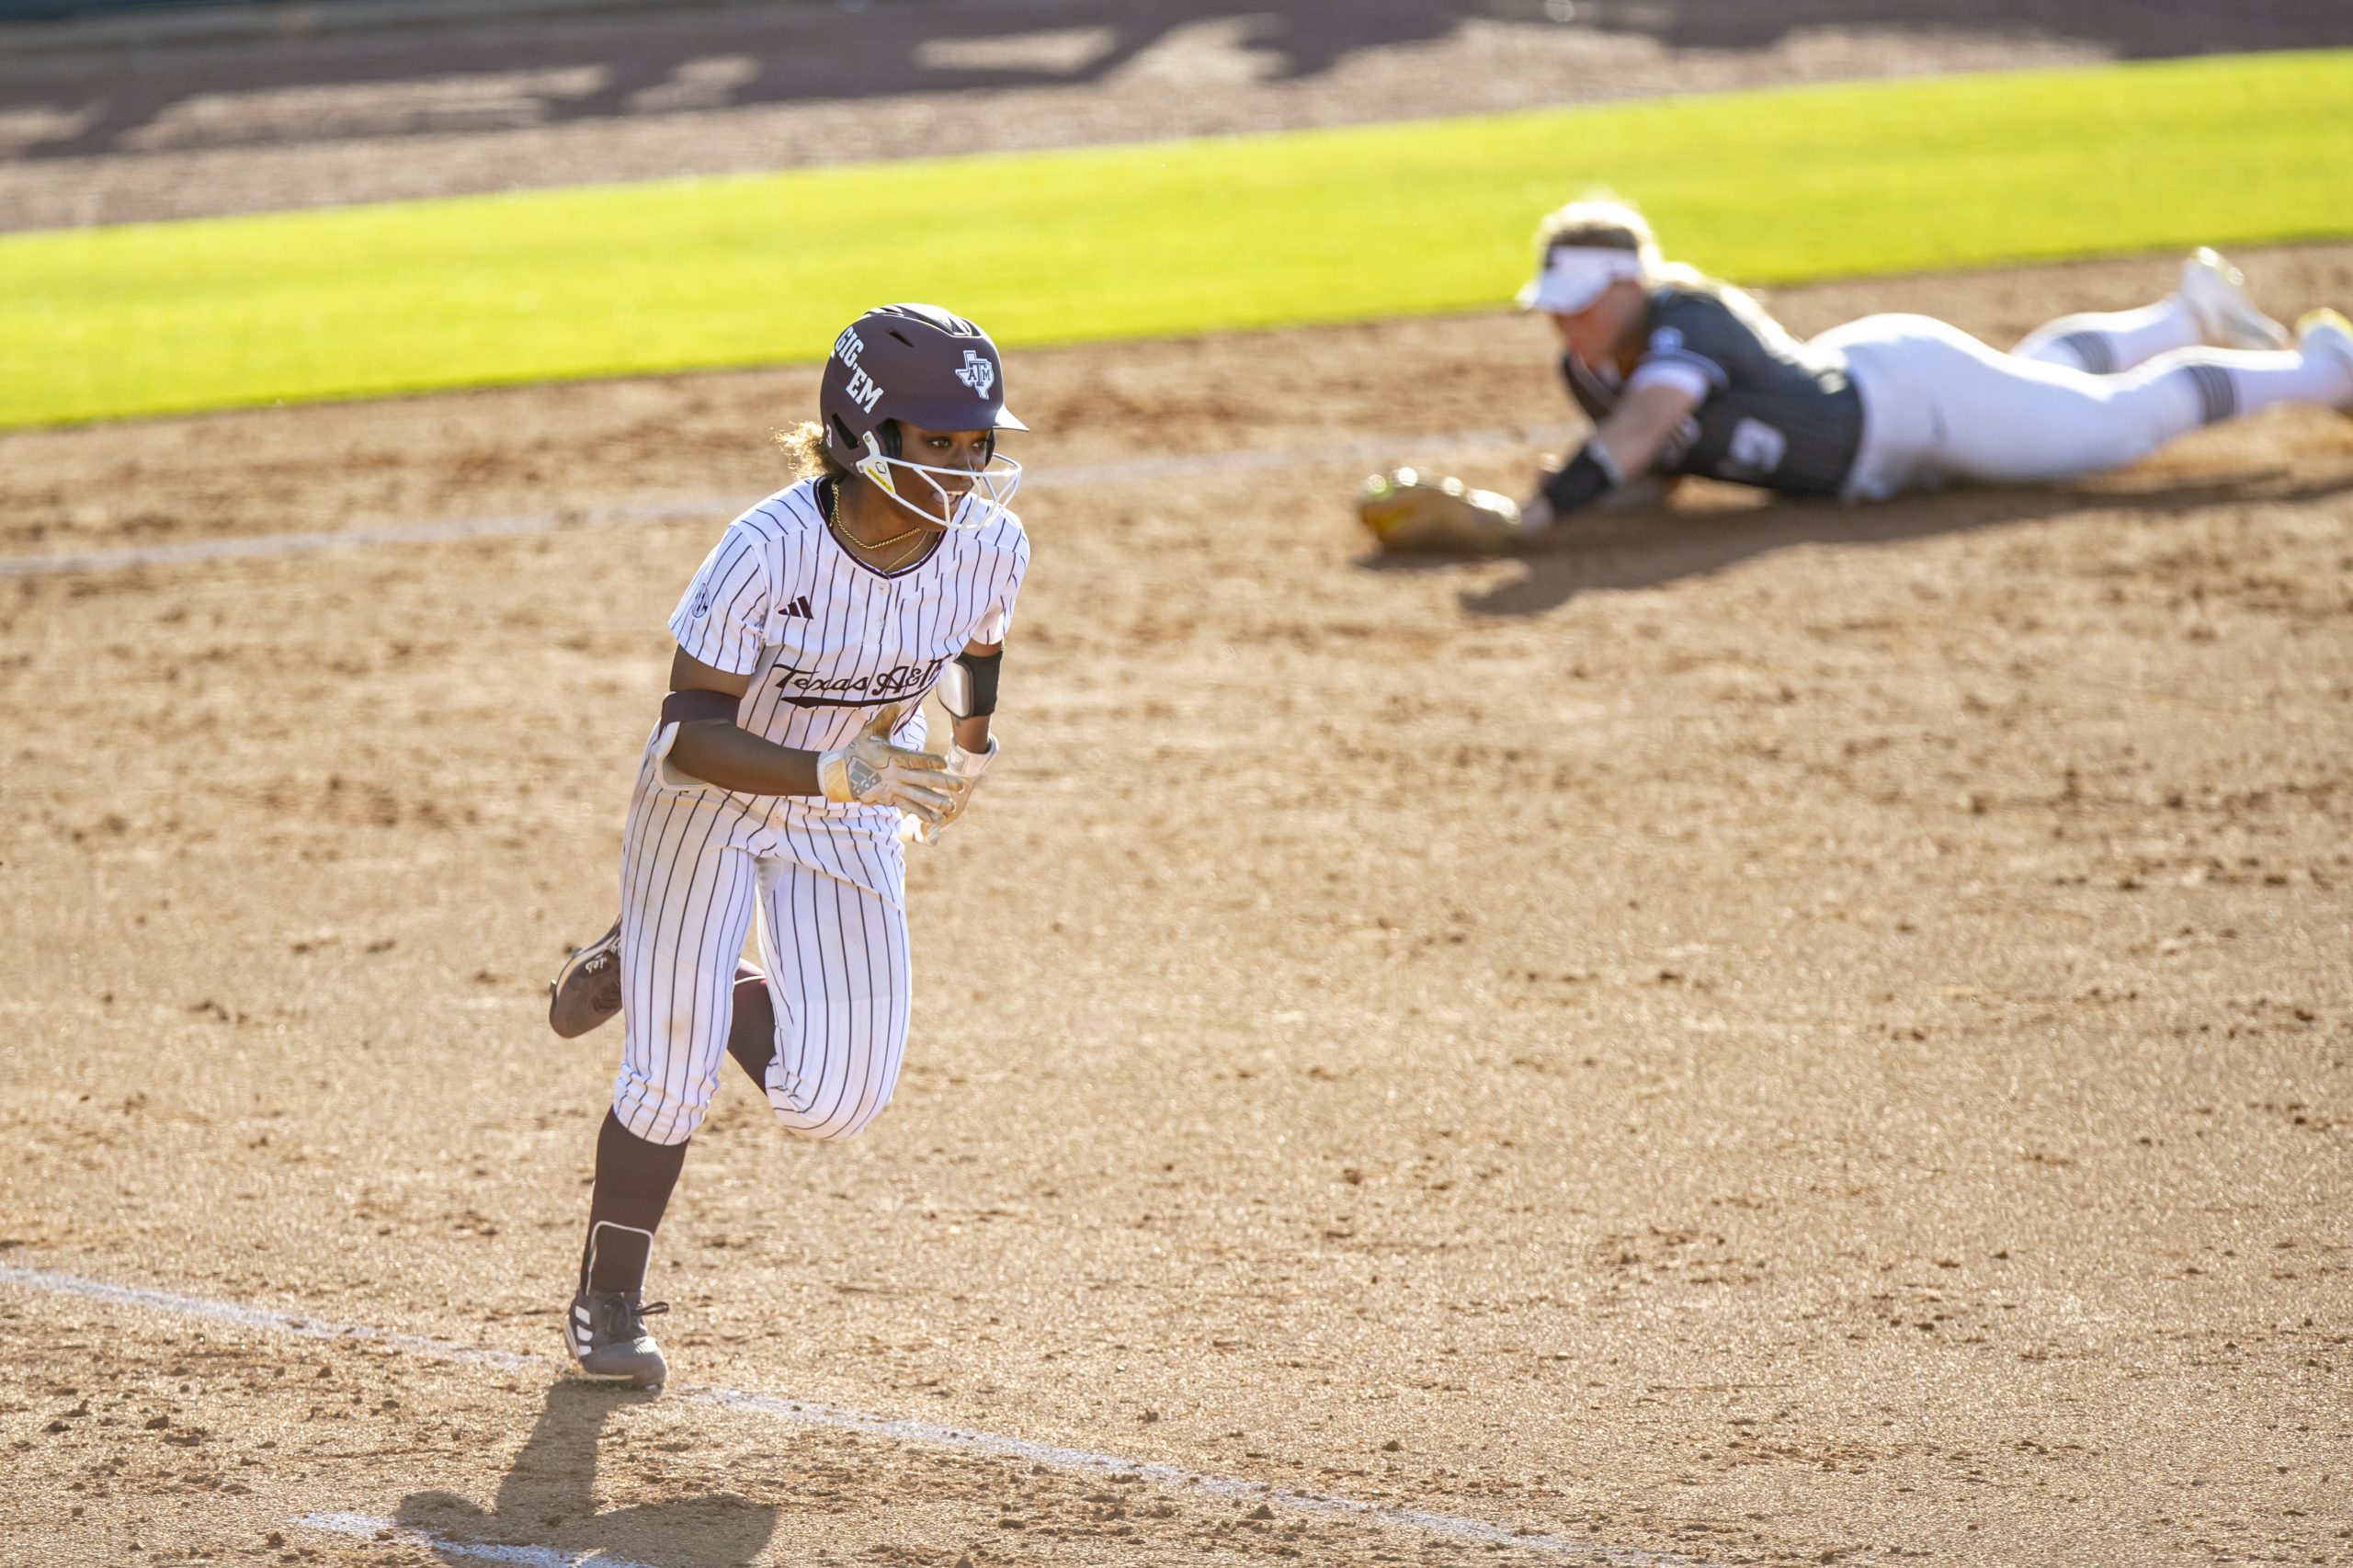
<point x="1573" y="276"/>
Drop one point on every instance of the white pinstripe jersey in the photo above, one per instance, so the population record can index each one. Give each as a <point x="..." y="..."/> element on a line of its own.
<point x="826" y="640"/>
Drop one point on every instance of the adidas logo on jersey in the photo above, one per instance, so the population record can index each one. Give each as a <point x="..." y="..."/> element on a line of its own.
<point x="799" y="606"/>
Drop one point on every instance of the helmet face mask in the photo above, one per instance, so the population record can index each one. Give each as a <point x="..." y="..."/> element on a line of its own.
<point x="918" y="366"/>
<point x="937" y="493"/>
<point x="959" y="497"/>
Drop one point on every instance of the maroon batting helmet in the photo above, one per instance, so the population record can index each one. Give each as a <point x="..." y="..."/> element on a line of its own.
<point x="919" y="365"/>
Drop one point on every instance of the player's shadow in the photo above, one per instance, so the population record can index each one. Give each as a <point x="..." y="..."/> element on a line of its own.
<point x="660" y="59"/>
<point x="1614" y="551"/>
<point x="548" y="1500"/>
<point x="519" y="70"/>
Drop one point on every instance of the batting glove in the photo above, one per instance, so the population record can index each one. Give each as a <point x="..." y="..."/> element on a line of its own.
<point x="965" y="768"/>
<point x="870" y="771"/>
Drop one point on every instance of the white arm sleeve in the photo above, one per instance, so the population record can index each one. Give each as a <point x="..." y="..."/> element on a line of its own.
<point x="1681" y="374"/>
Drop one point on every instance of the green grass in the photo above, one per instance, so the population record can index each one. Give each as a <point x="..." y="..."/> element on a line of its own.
<point x="1101" y="243"/>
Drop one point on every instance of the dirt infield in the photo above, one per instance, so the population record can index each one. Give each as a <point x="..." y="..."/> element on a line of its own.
<point x="1775" y="1034"/>
<point x="1772" y="1034"/>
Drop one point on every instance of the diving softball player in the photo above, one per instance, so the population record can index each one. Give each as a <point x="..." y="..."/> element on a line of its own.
<point x="1681" y="375"/>
<point x="774" y="785"/>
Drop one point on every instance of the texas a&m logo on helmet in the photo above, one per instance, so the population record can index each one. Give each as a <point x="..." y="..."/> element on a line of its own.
<point x="979" y="373"/>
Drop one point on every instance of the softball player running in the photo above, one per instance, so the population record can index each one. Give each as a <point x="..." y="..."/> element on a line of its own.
<point x="774" y="785"/>
<point x="1681" y="375"/>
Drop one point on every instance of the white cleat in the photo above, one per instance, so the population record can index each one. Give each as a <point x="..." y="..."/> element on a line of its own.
<point x="2216" y="294"/>
<point x="2328" y="333"/>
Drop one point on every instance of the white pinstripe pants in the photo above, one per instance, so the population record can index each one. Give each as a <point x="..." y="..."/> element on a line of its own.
<point x="693" y="873"/>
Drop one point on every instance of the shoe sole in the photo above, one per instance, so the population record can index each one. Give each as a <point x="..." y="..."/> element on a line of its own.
<point x="580" y="1364"/>
<point x="573" y="960"/>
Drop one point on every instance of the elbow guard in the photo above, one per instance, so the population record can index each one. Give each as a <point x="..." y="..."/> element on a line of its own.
<point x="1590" y="476"/>
<point x="968" y="688"/>
<point x="692" y="707"/>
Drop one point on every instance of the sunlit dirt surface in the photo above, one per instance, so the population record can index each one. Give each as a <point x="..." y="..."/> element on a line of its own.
<point x="1770" y="1033"/>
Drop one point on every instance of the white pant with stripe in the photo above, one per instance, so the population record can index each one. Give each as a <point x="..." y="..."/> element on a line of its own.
<point x="1939" y="405"/>
<point x="699" y="866"/>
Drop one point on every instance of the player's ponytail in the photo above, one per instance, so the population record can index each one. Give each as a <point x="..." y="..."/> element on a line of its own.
<point x="805" y="451"/>
<point x="1598" y="221"/>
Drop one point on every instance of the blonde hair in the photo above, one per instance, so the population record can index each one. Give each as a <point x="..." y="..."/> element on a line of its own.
<point x="808" y="455"/>
<point x="1598" y="221"/>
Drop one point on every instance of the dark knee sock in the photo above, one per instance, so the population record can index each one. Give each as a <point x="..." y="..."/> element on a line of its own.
<point x="751" y="1039"/>
<point x="634" y="1182"/>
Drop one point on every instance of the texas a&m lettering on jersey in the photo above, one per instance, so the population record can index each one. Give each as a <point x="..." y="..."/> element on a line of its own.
<point x="808" y="689"/>
<point x="827" y="638"/>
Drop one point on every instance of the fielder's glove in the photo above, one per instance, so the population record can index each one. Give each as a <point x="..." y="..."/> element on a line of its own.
<point x="965" y="768"/>
<point x="872" y="771"/>
<point x="1406" y="511"/>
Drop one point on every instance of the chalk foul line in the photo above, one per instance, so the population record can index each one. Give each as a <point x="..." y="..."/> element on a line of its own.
<point x="717" y="509"/>
<point x="366" y="1527"/>
<point x="801" y="1412"/>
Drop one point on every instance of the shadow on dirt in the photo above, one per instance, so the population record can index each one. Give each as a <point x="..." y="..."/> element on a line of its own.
<point x="505" y="75"/>
<point x="548" y="1500"/>
<point x="2133" y="30"/>
<point x="1647" y="549"/>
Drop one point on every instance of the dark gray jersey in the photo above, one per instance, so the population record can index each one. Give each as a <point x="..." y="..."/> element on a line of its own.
<point x="1774" y="411"/>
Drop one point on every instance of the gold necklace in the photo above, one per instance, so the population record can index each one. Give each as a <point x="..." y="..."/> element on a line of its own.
<point x="833" y="517"/>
